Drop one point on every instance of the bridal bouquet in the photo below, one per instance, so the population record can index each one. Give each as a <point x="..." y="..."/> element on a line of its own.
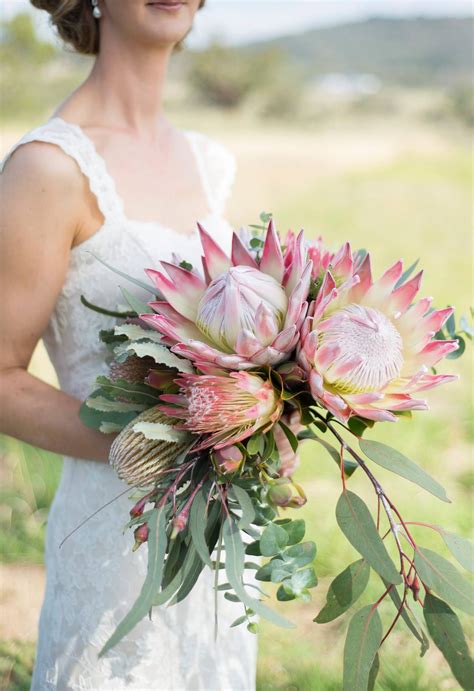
<point x="214" y="384"/>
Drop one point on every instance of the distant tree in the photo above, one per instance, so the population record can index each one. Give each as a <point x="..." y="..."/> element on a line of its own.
<point x="19" y="43"/>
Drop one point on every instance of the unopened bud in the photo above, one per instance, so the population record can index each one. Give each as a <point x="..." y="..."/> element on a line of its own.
<point x="137" y="509"/>
<point x="141" y="536"/>
<point x="280" y="494"/>
<point x="229" y="458"/>
<point x="415" y="588"/>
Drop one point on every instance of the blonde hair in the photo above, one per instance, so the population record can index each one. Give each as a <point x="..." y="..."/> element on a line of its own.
<point x="75" y="24"/>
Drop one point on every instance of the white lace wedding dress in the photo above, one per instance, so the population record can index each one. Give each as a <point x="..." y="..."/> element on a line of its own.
<point x="93" y="579"/>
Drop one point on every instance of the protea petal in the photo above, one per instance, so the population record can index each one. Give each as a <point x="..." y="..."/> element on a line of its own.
<point x="240" y="255"/>
<point x="272" y="258"/>
<point x="216" y="261"/>
<point x="179" y="301"/>
<point x="402" y="297"/>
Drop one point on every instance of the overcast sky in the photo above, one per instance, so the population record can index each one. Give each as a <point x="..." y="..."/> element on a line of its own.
<point x="245" y="20"/>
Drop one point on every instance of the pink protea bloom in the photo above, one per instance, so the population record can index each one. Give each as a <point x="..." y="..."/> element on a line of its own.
<point x="224" y="408"/>
<point x="245" y="312"/>
<point x="365" y="347"/>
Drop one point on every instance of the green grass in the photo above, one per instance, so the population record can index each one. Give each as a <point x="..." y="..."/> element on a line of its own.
<point x="415" y="204"/>
<point x="16" y="664"/>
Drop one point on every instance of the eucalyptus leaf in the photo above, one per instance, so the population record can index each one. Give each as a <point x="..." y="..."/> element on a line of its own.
<point x="141" y="284"/>
<point x="157" y="542"/>
<point x="295" y="529"/>
<point x="460" y="547"/>
<point x="413" y="626"/>
<point x="440" y="575"/>
<point x="197" y="526"/>
<point x="447" y="634"/>
<point x="357" y="524"/>
<point x="362" y="643"/>
<point x="234" y="568"/>
<point x="344" y="590"/>
<point x="393" y="460"/>
<point x="299" y="555"/>
<point x="246" y="504"/>
<point x="293" y="441"/>
<point x="274" y="538"/>
<point x="138" y="306"/>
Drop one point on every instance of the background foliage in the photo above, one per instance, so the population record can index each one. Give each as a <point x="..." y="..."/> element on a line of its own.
<point x="391" y="170"/>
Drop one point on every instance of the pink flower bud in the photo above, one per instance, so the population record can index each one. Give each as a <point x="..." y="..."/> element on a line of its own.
<point x="137" y="509"/>
<point x="279" y="494"/>
<point x="229" y="458"/>
<point x="141" y="536"/>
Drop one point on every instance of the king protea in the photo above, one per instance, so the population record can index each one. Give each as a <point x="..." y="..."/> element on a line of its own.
<point x="366" y="349"/>
<point x="245" y="312"/>
<point x="225" y="408"/>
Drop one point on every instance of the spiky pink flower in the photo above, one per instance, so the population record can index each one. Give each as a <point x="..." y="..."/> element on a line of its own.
<point x="245" y="312"/>
<point x="365" y="347"/>
<point x="224" y="408"/>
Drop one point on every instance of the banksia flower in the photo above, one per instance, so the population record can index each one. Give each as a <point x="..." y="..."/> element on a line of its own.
<point x="366" y="349"/>
<point x="245" y="312"/>
<point x="141" y="461"/>
<point x="133" y="370"/>
<point x="224" y="408"/>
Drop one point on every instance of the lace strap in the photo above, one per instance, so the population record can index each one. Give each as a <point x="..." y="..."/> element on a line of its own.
<point x="217" y="167"/>
<point x="74" y="142"/>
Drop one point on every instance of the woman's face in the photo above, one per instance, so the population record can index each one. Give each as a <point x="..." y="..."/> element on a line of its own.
<point x="160" y="23"/>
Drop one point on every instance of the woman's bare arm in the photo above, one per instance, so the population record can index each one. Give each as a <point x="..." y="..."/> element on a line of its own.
<point x="43" y="197"/>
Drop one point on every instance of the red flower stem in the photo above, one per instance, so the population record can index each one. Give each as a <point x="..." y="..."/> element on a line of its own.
<point x="399" y="611"/>
<point x="378" y="513"/>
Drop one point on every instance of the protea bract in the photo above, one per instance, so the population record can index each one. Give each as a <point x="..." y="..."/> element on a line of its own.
<point x="365" y="347"/>
<point x="245" y="311"/>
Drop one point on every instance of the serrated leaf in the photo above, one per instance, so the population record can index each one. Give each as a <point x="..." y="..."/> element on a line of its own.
<point x="134" y="332"/>
<point x="160" y="354"/>
<point x="106" y="405"/>
<point x="447" y="634"/>
<point x="234" y="565"/>
<point x="246" y="504"/>
<point x="357" y="524"/>
<point x="362" y="643"/>
<point x="274" y="538"/>
<point x="110" y="427"/>
<point x="160" y="432"/>
<point x="157" y="542"/>
<point x="440" y="575"/>
<point x="120" y="388"/>
<point x="393" y="460"/>
<point x="344" y="590"/>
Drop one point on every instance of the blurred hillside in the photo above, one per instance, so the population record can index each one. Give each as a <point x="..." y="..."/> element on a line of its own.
<point x="380" y="66"/>
<point x="418" y="51"/>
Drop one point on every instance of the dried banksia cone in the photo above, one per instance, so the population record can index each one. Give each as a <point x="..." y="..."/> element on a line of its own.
<point x="134" y="369"/>
<point x="142" y="460"/>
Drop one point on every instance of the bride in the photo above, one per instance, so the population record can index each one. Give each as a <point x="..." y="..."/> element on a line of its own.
<point x="108" y="176"/>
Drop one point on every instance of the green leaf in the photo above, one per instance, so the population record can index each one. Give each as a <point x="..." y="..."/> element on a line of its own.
<point x="120" y="388"/>
<point x="197" y="524"/>
<point x="190" y="573"/>
<point x="157" y="542"/>
<point x="440" y="575"/>
<point x="301" y="580"/>
<point x="95" y="418"/>
<point x="461" y="548"/>
<point x="134" y="332"/>
<point x="160" y="354"/>
<point x="103" y="310"/>
<point x="295" y="529"/>
<point x="290" y="436"/>
<point x="447" y="634"/>
<point x="274" y="538"/>
<point x="137" y="305"/>
<point x="299" y="555"/>
<point x="246" y="504"/>
<point x="349" y="465"/>
<point x="373" y="673"/>
<point x="234" y="564"/>
<point x="362" y="643"/>
<point x="106" y="405"/>
<point x="345" y="589"/>
<point x="256" y="445"/>
<point x="253" y="549"/>
<point x="141" y="284"/>
<point x="238" y="621"/>
<point x="415" y="628"/>
<point x="357" y="524"/>
<point x="160" y="432"/>
<point x="393" y="460"/>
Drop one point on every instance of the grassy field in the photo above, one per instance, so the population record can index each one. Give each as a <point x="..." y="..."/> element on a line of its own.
<point x="399" y="189"/>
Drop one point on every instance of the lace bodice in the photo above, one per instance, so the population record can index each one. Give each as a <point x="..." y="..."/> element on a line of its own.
<point x="94" y="578"/>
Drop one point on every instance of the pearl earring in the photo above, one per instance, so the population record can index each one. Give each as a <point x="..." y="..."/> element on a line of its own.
<point x="96" y="10"/>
